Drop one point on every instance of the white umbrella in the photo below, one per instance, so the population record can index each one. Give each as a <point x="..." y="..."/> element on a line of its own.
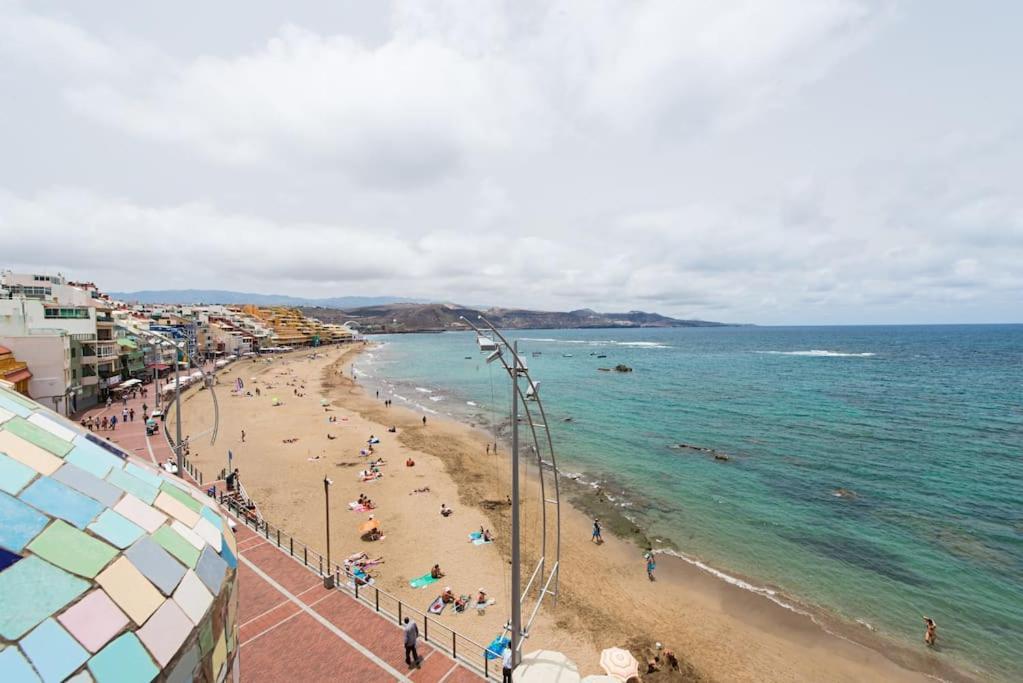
<point x="545" y="666"/>
<point x="619" y="663"/>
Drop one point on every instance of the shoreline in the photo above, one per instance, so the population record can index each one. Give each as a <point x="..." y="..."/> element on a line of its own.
<point x="723" y="631"/>
<point x="588" y="498"/>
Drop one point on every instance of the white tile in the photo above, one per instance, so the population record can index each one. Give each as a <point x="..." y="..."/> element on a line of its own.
<point x="5" y="415"/>
<point x="174" y="507"/>
<point x="209" y="533"/>
<point x="52" y="426"/>
<point x="144" y="515"/>
<point x="192" y="597"/>
<point x="189" y="535"/>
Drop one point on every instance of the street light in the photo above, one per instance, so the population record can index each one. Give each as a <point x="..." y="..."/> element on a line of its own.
<point x="328" y="580"/>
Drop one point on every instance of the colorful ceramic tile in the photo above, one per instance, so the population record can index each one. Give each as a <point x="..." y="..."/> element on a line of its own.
<point x="219" y="656"/>
<point x="58" y="500"/>
<point x="156" y="564"/>
<point x="93" y="459"/>
<point x="192" y="597"/>
<point x="213" y="517"/>
<point x="225" y="552"/>
<point x="232" y="543"/>
<point x="82" y="676"/>
<point x="132" y="591"/>
<point x="184" y="670"/>
<point x="14" y="475"/>
<point x="176" y="545"/>
<point x="122" y="661"/>
<point x="174" y="507"/>
<point x="85" y="482"/>
<point x="182" y="496"/>
<point x="5" y="415"/>
<point x="37" y="435"/>
<point x="94" y="620"/>
<point x="42" y="461"/>
<point x="50" y="424"/>
<point x="209" y="533"/>
<point x="53" y="652"/>
<point x="146" y="516"/>
<point x="12" y="402"/>
<point x="7" y="559"/>
<point x="133" y="485"/>
<point x="68" y="548"/>
<point x="206" y="637"/>
<point x="165" y="632"/>
<point x="32" y="590"/>
<point x="211" y="569"/>
<point x="21" y="523"/>
<point x="14" y="668"/>
<point x="116" y="529"/>
<point x="193" y="538"/>
<point x="146" y="475"/>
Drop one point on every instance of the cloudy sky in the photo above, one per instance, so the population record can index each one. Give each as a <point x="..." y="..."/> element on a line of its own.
<point x="827" y="161"/>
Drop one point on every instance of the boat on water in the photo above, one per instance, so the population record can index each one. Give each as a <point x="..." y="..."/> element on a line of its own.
<point x="603" y="355"/>
<point x="566" y="355"/>
<point x="537" y="353"/>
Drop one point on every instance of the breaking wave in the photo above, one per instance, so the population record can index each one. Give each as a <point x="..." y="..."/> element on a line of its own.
<point x="819" y="353"/>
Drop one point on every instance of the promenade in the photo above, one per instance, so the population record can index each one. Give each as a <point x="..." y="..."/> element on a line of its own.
<point x="290" y="626"/>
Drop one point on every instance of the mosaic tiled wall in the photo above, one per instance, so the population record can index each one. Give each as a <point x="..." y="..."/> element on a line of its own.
<point x="110" y="570"/>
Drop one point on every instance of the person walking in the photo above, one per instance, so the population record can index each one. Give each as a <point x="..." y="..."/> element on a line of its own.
<point x="243" y="436"/>
<point x="651" y="565"/>
<point x="411" y="635"/>
<point x="131" y="414"/>
<point x="424" y="420"/>
<point x="506" y="665"/>
<point x="596" y="537"/>
<point x="124" y="414"/>
<point x="113" y="422"/>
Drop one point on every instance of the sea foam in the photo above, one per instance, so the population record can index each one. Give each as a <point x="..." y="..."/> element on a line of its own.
<point x="819" y="353"/>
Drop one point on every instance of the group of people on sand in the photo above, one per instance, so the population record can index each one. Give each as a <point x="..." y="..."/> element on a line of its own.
<point x="365" y="502"/>
<point x="460" y="602"/>
<point x="660" y="659"/>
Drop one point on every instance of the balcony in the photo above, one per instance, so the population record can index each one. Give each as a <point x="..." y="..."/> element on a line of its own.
<point x="90" y="381"/>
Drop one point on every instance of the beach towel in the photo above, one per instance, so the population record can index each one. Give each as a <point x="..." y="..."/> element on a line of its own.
<point x="423" y="581"/>
<point x="475" y="535"/>
<point x="496" y="647"/>
<point x="480" y="541"/>
<point x="358" y="507"/>
<point x="351" y="584"/>
<point x="373" y="441"/>
<point x="464" y="599"/>
<point x="437" y="606"/>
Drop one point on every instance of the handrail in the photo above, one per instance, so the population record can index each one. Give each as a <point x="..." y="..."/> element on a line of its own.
<point x="300" y="552"/>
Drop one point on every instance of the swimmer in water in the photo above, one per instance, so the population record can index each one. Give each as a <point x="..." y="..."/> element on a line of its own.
<point x="932" y="632"/>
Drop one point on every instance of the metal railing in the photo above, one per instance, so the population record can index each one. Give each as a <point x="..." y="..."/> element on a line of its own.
<point x="447" y="640"/>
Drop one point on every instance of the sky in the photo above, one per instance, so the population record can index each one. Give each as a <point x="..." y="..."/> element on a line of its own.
<point x="783" y="162"/>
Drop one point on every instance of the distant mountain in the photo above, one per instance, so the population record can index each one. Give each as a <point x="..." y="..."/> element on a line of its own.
<point x="220" y="296"/>
<point x="413" y="317"/>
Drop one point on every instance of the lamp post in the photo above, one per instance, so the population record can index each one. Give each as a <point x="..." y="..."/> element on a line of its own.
<point x="328" y="581"/>
<point x="516" y="572"/>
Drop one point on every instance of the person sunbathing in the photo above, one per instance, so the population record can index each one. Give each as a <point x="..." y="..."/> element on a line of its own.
<point x="445" y="511"/>
<point x="392" y="429"/>
<point x="425" y="489"/>
<point x="481" y="599"/>
<point x="331" y="437"/>
<point x="447" y="596"/>
<point x="410" y="463"/>
<point x="487" y="536"/>
<point x="460" y="602"/>
<point x="436" y="572"/>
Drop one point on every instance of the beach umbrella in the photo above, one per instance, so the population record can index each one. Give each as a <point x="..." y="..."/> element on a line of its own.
<point x="619" y="663"/>
<point x="371" y="525"/>
<point x="546" y="666"/>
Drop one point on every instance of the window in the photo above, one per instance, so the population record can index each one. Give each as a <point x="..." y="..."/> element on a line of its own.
<point x="73" y="351"/>
<point x="67" y="313"/>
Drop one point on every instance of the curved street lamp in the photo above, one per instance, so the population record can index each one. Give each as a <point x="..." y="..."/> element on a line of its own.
<point x="490" y="340"/>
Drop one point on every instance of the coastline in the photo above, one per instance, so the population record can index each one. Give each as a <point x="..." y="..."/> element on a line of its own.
<point x="723" y="630"/>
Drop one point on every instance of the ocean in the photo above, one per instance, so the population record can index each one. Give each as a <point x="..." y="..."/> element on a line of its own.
<point x="874" y="472"/>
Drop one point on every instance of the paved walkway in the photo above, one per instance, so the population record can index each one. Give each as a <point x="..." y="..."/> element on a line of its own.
<point x="290" y="626"/>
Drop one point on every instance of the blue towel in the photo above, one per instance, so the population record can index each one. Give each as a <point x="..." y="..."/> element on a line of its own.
<point x="474" y="535"/>
<point x="497" y="645"/>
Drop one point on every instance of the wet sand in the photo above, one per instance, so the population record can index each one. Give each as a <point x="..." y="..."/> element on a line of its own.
<point x="720" y="631"/>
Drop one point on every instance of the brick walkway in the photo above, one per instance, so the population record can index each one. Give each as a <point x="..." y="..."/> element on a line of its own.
<point x="290" y="626"/>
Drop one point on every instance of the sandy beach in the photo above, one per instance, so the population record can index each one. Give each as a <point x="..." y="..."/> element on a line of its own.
<point x="720" y="631"/>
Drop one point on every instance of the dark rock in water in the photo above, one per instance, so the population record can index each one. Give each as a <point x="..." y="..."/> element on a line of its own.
<point x="604" y="369"/>
<point x="845" y="493"/>
<point x="621" y="367"/>
<point x="567" y="419"/>
<point x="720" y="456"/>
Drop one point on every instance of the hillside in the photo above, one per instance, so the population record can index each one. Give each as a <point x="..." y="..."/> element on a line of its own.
<point x="221" y="296"/>
<point x="440" y="317"/>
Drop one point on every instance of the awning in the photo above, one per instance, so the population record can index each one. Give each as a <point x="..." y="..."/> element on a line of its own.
<point x="128" y="343"/>
<point x="130" y="383"/>
<point x="18" y="375"/>
<point x="159" y="367"/>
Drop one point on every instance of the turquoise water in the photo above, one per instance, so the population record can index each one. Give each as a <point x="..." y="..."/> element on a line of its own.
<point x="922" y="427"/>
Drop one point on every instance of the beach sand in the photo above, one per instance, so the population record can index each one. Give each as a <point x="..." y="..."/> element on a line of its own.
<point x="721" y="631"/>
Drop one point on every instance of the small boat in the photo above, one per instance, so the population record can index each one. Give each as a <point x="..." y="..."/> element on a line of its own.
<point x="566" y="355"/>
<point x="468" y="358"/>
<point x="603" y="355"/>
<point x="537" y="353"/>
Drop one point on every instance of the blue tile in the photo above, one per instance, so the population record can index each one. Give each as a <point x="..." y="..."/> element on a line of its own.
<point x="227" y="555"/>
<point x="142" y="473"/>
<point x="211" y="569"/>
<point x="14" y="475"/>
<point x="53" y="651"/>
<point x="14" y="668"/>
<point x="17" y="408"/>
<point x="20" y="523"/>
<point x="86" y="483"/>
<point x="156" y="564"/>
<point x="7" y="559"/>
<point x="133" y="485"/>
<point x="92" y="458"/>
<point x="104" y="444"/>
<point x="58" y="500"/>
<point x="214" y="517"/>
<point x="124" y="661"/>
<point x="116" y="529"/>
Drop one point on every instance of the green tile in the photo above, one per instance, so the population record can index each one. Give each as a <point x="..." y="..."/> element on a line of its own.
<point x="32" y="590"/>
<point x="206" y="637"/>
<point x="15" y="397"/>
<point x="176" y="545"/>
<point x="37" y="435"/>
<point x="73" y="550"/>
<point x="181" y="496"/>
